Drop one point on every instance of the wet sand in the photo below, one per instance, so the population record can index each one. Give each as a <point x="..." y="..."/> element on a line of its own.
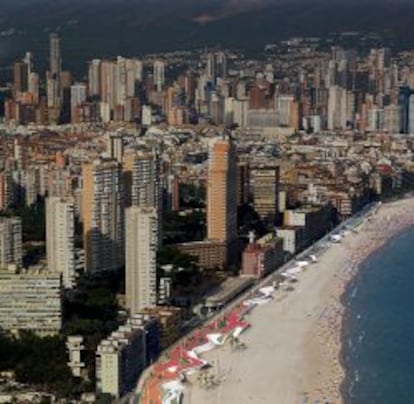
<point x="294" y="345"/>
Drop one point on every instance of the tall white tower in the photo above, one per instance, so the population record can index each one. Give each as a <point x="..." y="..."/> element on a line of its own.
<point x="60" y="234"/>
<point x="159" y="74"/>
<point x="141" y="239"/>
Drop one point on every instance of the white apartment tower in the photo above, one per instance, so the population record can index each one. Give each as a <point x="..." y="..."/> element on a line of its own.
<point x="141" y="258"/>
<point x="159" y="74"/>
<point x="60" y="233"/>
<point x="94" y="77"/>
<point x="78" y="92"/>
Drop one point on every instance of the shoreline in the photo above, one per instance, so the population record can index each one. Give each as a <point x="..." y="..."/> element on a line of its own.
<point x="310" y="329"/>
<point x="392" y="219"/>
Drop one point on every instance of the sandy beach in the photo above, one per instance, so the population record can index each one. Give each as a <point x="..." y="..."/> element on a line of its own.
<point x="294" y="343"/>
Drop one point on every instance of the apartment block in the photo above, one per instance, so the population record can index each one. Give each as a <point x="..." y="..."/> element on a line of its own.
<point x="141" y="258"/>
<point x="60" y="234"/>
<point x="122" y="356"/>
<point x="30" y="299"/>
<point x="103" y="215"/>
<point x="10" y="241"/>
<point x="264" y="184"/>
<point x="262" y="256"/>
<point x="221" y="197"/>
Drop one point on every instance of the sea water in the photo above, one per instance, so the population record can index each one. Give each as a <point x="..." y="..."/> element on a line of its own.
<point x="378" y="328"/>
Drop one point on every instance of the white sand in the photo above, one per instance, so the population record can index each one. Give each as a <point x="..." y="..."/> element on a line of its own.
<point x="294" y="343"/>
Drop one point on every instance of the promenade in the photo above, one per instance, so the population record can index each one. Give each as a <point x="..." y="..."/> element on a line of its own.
<point x="294" y="343"/>
<point x="293" y="338"/>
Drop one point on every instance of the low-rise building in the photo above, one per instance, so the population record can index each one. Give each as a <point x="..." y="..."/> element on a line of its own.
<point x="74" y="345"/>
<point x="293" y="237"/>
<point x="210" y="254"/>
<point x="262" y="256"/>
<point x="170" y="323"/>
<point x="316" y="220"/>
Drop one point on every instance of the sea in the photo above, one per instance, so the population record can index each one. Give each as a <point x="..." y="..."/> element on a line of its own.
<point x="378" y="327"/>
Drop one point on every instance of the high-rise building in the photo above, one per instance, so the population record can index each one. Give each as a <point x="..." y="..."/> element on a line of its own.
<point x="28" y="60"/>
<point x="94" y="78"/>
<point x="103" y="215"/>
<point x="53" y="82"/>
<point x="242" y="187"/>
<point x="108" y="87"/>
<point x="20" y="77"/>
<point x="116" y="146"/>
<point x="143" y="180"/>
<point x="211" y="66"/>
<point x="146" y="115"/>
<point x="173" y="193"/>
<point x="77" y="94"/>
<point x="121" y="81"/>
<point x="284" y="107"/>
<point x="141" y="240"/>
<point x="33" y="86"/>
<point x="6" y="189"/>
<point x="52" y="91"/>
<point x="216" y="66"/>
<point x="221" y="192"/>
<point x="159" y="74"/>
<point x="392" y="116"/>
<point x="77" y="98"/>
<point x="265" y="190"/>
<point x="10" y="241"/>
<point x="337" y="108"/>
<point x="60" y="234"/>
<point x="221" y="65"/>
<point x="55" y="56"/>
<point x="143" y="183"/>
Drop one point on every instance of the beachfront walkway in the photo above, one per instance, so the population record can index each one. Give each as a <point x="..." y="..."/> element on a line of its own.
<point x="294" y="343"/>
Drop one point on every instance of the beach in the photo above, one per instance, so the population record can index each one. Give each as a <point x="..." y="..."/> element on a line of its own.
<point x="293" y="346"/>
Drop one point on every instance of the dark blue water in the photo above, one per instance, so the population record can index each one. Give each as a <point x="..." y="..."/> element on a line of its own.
<point x="378" y="335"/>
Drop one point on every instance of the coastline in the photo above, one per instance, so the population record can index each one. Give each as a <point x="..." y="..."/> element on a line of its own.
<point x="375" y="233"/>
<point x="295" y="345"/>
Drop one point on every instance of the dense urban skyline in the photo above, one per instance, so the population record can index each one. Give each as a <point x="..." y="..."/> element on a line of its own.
<point x="198" y="161"/>
<point x="135" y="28"/>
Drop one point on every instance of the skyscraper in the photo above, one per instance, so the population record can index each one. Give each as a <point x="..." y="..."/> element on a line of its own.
<point x="77" y="98"/>
<point x="55" y="56"/>
<point x="28" y="60"/>
<point x="221" y="193"/>
<point x="20" y="77"/>
<point x="10" y="241"/>
<point x="159" y="74"/>
<point x="143" y="182"/>
<point x="141" y="239"/>
<point x="94" y="78"/>
<point x="103" y="215"/>
<point x="60" y="234"/>
<point x="53" y="82"/>
<point x="216" y="66"/>
<point x="143" y="186"/>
